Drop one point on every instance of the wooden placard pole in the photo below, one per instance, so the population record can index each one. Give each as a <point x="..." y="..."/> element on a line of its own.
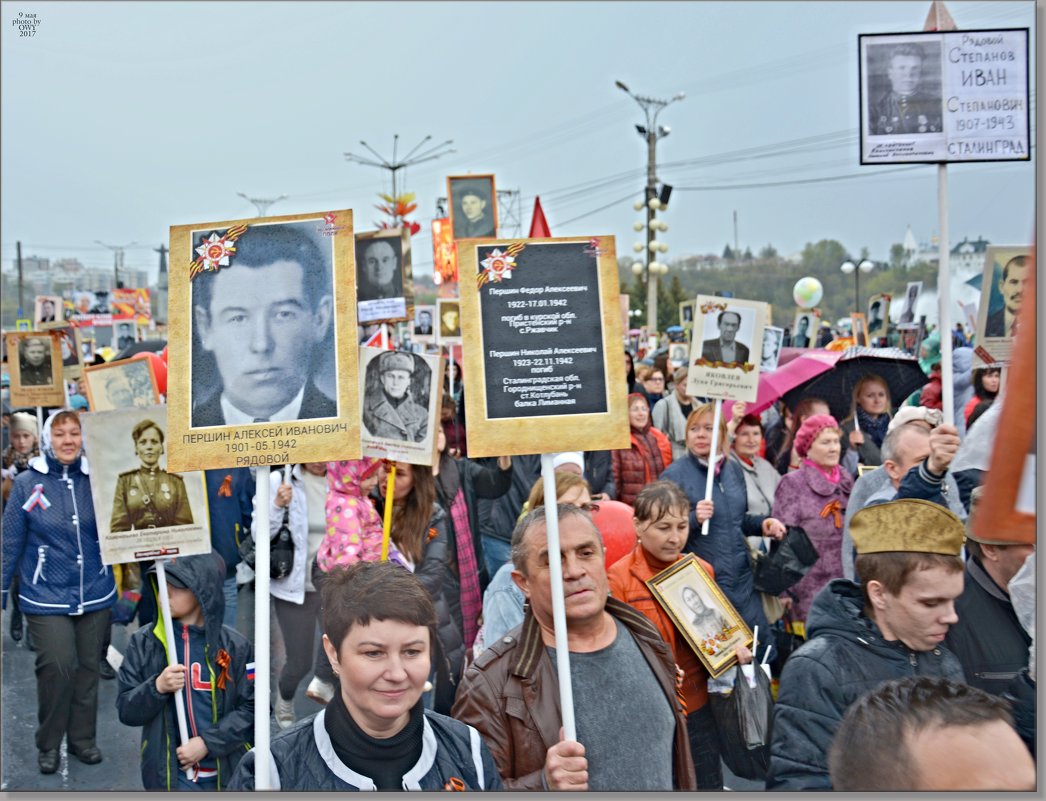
<point x="559" y="612"/>
<point x="262" y="780"/>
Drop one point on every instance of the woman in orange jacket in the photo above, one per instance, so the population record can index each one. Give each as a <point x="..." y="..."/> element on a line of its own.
<point x="661" y="520"/>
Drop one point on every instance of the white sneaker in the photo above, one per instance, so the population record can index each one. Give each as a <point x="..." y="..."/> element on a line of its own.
<point x="319" y="691"/>
<point x="284" y="712"/>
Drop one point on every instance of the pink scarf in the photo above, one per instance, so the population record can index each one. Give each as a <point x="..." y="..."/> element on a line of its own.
<point x="832" y="475"/>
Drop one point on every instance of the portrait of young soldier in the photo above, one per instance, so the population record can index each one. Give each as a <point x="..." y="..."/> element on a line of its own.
<point x="395" y="403"/>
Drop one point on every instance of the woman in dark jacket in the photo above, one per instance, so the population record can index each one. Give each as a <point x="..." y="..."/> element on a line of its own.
<point x="66" y="593"/>
<point x="650" y="452"/>
<point x="865" y="429"/>
<point x="729" y="522"/>
<point x="419" y="530"/>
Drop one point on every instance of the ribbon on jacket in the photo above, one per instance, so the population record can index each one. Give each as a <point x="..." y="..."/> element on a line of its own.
<point x="36" y="498"/>
<point x="224" y="660"/>
<point x="833" y="508"/>
<point x="225" y="490"/>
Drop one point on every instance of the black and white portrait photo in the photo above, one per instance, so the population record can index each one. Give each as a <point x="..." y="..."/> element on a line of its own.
<point x="34" y="362"/>
<point x="473" y="206"/>
<point x="686" y="313"/>
<point x="449" y="320"/>
<point x="383" y="278"/>
<point x="727" y="336"/>
<point x="804" y="330"/>
<point x="126" y="384"/>
<point x="124" y="334"/>
<point x="133" y="491"/>
<point x="771" y="352"/>
<point x="878" y="311"/>
<point x="262" y="334"/>
<point x="47" y="309"/>
<point x="911" y="297"/>
<point x="904" y="88"/>
<point x="424" y="318"/>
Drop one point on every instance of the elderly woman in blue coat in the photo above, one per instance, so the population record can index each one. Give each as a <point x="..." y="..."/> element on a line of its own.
<point x="727" y="512"/>
<point x="65" y="591"/>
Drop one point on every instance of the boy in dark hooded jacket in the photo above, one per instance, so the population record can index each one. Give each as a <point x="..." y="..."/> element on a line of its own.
<point x="215" y="674"/>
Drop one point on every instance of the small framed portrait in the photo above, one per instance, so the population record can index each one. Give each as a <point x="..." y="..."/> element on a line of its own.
<point x="125" y="333"/>
<point x="909" y="318"/>
<point x="772" y="339"/>
<point x="859" y="329"/>
<point x="449" y="313"/>
<point x="400" y="395"/>
<point x="1004" y="284"/>
<point x="804" y="328"/>
<point x="47" y="309"/>
<point x="473" y="206"/>
<point x="686" y="313"/>
<point x="677" y="354"/>
<point x="423" y="328"/>
<point x="69" y="339"/>
<point x="143" y="511"/>
<point x="384" y="286"/>
<point x="701" y="613"/>
<point x="36" y="378"/>
<point x="87" y="349"/>
<point x="878" y="315"/>
<point x="125" y="384"/>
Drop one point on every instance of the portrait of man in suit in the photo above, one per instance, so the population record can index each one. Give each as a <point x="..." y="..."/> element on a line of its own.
<point x="423" y="321"/>
<point x="725" y="347"/>
<point x="261" y="318"/>
<point x="1003" y="322"/>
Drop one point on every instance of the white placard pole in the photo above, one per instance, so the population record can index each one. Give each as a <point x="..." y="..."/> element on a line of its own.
<point x="172" y="648"/>
<point x="559" y="612"/>
<point x="944" y="299"/>
<point x="712" y="458"/>
<point x="261" y="629"/>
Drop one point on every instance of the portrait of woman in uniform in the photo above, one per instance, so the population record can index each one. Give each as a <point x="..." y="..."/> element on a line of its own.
<point x="148" y="496"/>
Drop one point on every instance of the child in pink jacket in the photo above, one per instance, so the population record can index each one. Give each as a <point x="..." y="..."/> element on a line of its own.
<point x="353" y="525"/>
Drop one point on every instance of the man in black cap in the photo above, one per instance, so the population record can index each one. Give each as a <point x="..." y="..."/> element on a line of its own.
<point x="391" y="412"/>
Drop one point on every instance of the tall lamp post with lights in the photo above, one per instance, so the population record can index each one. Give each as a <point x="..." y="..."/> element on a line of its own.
<point x="848" y="267"/>
<point x="651" y="132"/>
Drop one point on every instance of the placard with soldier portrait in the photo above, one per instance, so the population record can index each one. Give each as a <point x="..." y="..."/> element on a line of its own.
<point x="725" y="348"/>
<point x="71" y="343"/>
<point x="384" y="286"/>
<point x="400" y="395"/>
<point x="1007" y="271"/>
<point x="48" y="309"/>
<point x="448" y="314"/>
<point x="423" y="328"/>
<point x="35" y="365"/>
<point x="142" y="510"/>
<point x="804" y="328"/>
<point x="262" y="340"/>
<point x="878" y="315"/>
<point x="473" y="206"/>
<point x="124" y="384"/>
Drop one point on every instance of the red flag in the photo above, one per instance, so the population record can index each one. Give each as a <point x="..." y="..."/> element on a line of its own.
<point x="538" y="223"/>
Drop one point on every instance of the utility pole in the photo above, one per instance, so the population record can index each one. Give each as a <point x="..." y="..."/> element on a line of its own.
<point x="21" y="300"/>
<point x="736" y="246"/>
<point x="262" y="204"/>
<point x="651" y="132"/>
<point x="117" y="258"/>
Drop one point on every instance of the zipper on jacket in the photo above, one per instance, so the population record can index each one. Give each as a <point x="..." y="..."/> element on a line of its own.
<point x="41" y="560"/>
<point x="79" y="544"/>
<point x="913" y="661"/>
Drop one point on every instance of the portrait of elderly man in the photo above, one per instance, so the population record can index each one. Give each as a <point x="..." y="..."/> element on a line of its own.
<point x="34" y="362"/>
<point x="1015" y="275"/>
<point x="472" y="216"/>
<point x="378" y="268"/>
<point x="261" y="318"/>
<point x="907" y="108"/>
<point x="423" y="321"/>
<point x="46" y="310"/>
<point x="389" y="408"/>
<point x="726" y="348"/>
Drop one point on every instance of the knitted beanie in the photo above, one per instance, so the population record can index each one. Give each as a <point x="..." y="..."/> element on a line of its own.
<point x="809" y="430"/>
<point x="23" y="421"/>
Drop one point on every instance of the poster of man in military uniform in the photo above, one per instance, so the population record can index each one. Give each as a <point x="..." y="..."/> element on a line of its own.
<point x="142" y="510"/>
<point x="907" y="104"/>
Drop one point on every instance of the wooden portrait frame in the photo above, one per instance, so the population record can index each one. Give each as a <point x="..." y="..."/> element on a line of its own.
<point x="52" y="394"/>
<point x="396" y="309"/>
<point x="330" y="429"/>
<point x="668" y="587"/>
<point x="98" y="398"/>
<point x="546" y="429"/>
<point x="456" y="184"/>
<point x="989" y="321"/>
<point x="855" y="318"/>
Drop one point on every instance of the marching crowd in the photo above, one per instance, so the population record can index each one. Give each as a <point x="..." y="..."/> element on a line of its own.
<point x="436" y="668"/>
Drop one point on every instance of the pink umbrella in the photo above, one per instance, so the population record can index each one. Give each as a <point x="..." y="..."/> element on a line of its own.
<point x="809" y="363"/>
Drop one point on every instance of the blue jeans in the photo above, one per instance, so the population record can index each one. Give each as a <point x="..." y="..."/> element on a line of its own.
<point x="230" y="590"/>
<point x="495" y="553"/>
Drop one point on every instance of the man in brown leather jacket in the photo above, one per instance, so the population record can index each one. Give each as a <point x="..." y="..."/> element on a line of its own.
<point x="631" y="728"/>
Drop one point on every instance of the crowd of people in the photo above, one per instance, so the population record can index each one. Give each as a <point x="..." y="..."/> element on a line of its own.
<point x="432" y="654"/>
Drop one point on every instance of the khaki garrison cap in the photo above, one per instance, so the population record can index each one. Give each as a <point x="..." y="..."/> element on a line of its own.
<point x="910" y="525"/>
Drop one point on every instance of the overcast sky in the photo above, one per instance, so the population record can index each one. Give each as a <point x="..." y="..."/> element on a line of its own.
<point x="121" y="119"/>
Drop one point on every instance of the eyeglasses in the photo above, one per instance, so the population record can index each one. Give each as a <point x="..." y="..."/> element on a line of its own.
<point x="656" y="378"/>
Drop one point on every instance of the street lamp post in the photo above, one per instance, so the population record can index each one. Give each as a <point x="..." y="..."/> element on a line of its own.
<point x="848" y="267"/>
<point x="651" y="132"/>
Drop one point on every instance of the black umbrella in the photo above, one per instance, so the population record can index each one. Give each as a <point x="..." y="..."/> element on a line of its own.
<point x="146" y="346"/>
<point x="898" y="369"/>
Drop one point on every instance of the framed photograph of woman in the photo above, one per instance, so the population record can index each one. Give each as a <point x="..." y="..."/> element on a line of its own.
<point x="126" y="384"/>
<point x="142" y="510"/>
<point x="473" y="206"/>
<point x="701" y="612"/>
<point x="35" y="366"/>
<point x="384" y="286"/>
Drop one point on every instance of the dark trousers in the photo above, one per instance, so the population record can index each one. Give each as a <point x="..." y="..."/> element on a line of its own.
<point x="704" y="747"/>
<point x="298" y="626"/>
<point x="67" y="649"/>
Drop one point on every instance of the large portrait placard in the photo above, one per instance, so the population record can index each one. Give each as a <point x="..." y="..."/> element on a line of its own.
<point x="35" y="363"/>
<point x="1007" y="271"/>
<point x="725" y="352"/>
<point x="262" y="342"/>
<point x="400" y="395"/>
<point x="952" y="96"/>
<point x="384" y="285"/>
<point x="142" y="510"/>
<point x="542" y="341"/>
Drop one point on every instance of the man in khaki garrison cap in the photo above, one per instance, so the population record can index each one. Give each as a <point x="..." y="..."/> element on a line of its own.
<point x="860" y="635"/>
